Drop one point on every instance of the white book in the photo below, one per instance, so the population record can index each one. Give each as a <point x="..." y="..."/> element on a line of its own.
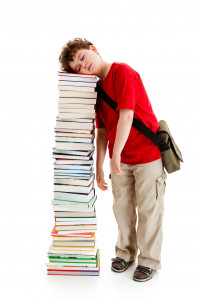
<point x="73" y="188"/>
<point x="76" y="110"/>
<point x="69" y="251"/>
<point x="73" y="139"/>
<point x="75" y="106"/>
<point x="77" y="135"/>
<point x="78" y="120"/>
<point x="74" y="204"/>
<point x="73" y="162"/>
<point x="74" y="175"/>
<point x="74" y="181"/>
<point x="64" y="115"/>
<point x="75" y="94"/>
<point x="74" y="125"/>
<point x="72" y="238"/>
<point x="73" y="157"/>
<point x="73" y="167"/>
<point x="75" y="197"/>
<point x="64" y="81"/>
<point x="77" y="100"/>
<point x="74" y="146"/>
<point x="72" y="172"/>
<point x="78" y="77"/>
<point x="67" y="208"/>
<point x="62" y="87"/>
<point x="89" y="265"/>
<point x="74" y="131"/>
<point x="85" y="153"/>
<point x="94" y="222"/>
<point x="75" y="219"/>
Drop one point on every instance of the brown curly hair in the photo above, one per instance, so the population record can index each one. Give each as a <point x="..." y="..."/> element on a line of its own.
<point x="69" y="50"/>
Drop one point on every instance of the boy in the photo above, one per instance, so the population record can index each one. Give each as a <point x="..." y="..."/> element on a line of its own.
<point x="137" y="175"/>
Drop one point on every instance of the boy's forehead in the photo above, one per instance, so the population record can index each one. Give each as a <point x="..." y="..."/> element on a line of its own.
<point x="77" y="53"/>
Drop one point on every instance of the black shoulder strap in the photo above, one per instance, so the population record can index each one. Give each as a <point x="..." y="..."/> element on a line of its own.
<point x="156" y="139"/>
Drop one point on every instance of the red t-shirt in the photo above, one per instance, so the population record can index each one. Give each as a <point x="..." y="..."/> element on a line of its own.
<point x="124" y="86"/>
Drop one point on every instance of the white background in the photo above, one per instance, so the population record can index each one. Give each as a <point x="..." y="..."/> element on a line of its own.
<point x="160" y="40"/>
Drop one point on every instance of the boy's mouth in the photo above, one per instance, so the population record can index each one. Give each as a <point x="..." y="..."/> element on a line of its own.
<point x="89" y="67"/>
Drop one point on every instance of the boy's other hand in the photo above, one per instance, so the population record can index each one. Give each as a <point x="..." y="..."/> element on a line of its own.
<point x="115" y="164"/>
<point x="100" y="180"/>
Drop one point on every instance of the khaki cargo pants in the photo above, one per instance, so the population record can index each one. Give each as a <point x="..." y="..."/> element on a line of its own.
<point x="141" y="186"/>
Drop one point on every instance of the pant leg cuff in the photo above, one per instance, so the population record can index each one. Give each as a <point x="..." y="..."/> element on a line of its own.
<point x="149" y="263"/>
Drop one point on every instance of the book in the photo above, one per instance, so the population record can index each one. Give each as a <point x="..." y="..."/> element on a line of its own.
<point x="74" y="214"/>
<point x="76" y="222"/>
<point x="75" y="94"/>
<point x="77" y="235"/>
<point x="73" y="167"/>
<point x="75" y="106"/>
<point x="73" y="197"/>
<point x="76" y="227"/>
<point x="74" y="139"/>
<point x="73" y="159"/>
<point x="74" y="125"/>
<point x="76" y="110"/>
<point x="74" y="146"/>
<point x="74" y="181"/>
<point x="71" y="152"/>
<point x="73" y="188"/>
<point x="77" y="120"/>
<point x="81" y="256"/>
<point x="77" y="131"/>
<point x="64" y="115"/>
<point x="63" y="266"/>
<point x="73" y="173"/>
<point x="64" y="82"/>
<point x="74" y="243"/>
<point x="74" y="134"/>
<point x="73" y="208"/>
<point x="76" y="100"/>
<point x="64" y="87"/>
<point x="78" y="77"/>
<point x="61" y="161"/>
<point x="67" y="250"/>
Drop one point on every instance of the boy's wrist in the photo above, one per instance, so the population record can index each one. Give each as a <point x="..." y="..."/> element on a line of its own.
<point x="116" y="153"/>
<point x="99" y="166"/>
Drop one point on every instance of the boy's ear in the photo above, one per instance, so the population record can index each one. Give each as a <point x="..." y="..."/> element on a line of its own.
<point x="93" y="48"/>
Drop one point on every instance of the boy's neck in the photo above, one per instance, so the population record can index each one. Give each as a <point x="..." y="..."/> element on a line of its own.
<point x="104" y="70"/>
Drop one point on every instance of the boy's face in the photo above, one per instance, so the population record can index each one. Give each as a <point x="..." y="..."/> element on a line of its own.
<point x="86" y="61"/>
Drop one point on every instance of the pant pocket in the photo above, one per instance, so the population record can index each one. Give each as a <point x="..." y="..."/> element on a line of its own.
<point x="160" y="186"/>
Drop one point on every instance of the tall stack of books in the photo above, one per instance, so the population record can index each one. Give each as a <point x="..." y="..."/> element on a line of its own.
<point x="74" y="248"/>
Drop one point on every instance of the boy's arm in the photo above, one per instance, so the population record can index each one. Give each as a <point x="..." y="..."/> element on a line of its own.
<point x="123" y="130"/>
<point x="101" y="143"/>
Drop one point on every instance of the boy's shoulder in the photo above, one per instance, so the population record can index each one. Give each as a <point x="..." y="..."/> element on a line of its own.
<point x="123" y="69"/>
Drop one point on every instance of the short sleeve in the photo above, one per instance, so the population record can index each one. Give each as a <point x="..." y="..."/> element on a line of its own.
<point x="127" y="87"/>
<point x="98" y="121"/>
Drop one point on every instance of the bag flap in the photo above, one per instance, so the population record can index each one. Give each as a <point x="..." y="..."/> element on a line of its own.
<point x="166" y="135"/>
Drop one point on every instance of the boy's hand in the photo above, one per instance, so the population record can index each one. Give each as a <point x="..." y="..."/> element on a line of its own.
<point x="115" y="164"/>
<point x="100" y="180"/>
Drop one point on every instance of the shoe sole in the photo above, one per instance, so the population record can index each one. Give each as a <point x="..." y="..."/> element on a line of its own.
<point x="120" y="271"/>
